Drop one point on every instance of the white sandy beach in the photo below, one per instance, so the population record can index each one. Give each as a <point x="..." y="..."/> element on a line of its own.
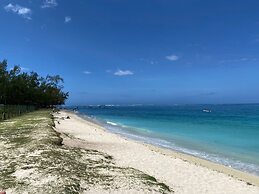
<point x="182" y="173"/>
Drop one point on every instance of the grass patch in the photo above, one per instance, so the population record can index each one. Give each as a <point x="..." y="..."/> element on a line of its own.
<point x="33" y="158"/>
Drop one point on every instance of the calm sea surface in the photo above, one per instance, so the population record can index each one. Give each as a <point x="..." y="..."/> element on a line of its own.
<point x="226" y="134"/>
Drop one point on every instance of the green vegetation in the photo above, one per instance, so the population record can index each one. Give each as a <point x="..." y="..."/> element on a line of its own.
<point x="21" y="88"/>
<point x="33" y="160"/>
<point x="9" y="111"/>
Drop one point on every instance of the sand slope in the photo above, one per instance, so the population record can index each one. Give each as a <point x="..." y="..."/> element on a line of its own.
<point x="176" y="170"/>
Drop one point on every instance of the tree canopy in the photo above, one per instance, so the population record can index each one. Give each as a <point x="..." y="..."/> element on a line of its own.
<point x="17" y="87"/>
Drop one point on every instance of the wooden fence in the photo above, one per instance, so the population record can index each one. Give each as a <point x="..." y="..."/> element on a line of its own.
<point x="9" y="111"/>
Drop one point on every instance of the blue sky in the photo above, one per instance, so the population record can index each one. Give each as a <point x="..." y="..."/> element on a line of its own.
<point x="138" y="51"/>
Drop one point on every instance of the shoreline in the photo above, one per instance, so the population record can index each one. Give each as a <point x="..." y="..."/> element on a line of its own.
<point x="239" y="174"/>
<point x="193" y="163"/>
<point x="250" y="179"/>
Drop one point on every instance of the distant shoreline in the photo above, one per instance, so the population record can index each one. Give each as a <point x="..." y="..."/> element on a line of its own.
<point x="97" y="137"/>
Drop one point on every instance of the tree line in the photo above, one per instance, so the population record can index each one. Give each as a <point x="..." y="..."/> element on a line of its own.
<point x="18" y="87"/>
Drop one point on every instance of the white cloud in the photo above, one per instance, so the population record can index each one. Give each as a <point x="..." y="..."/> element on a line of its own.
<point x="87" y="72"/>
<point x="172" y="57"/>
<point x="49" y="3"/>
<point x="17" y="9"/>
<point x="123" y="73"/>
<point x="68" y="19"/>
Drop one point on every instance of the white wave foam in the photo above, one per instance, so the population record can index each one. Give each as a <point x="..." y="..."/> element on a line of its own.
<point x="111" y="123"/>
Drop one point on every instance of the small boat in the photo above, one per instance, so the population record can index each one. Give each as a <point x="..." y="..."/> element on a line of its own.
<point x="206" y="110"/>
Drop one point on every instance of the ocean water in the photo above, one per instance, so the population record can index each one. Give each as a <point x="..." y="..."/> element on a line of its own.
<point x="226" y="134"/>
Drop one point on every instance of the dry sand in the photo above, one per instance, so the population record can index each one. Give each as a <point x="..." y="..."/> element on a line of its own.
<point x="181" y="172"/>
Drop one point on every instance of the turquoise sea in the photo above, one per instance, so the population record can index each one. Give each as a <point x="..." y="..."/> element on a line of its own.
<point x="226" y="134"/>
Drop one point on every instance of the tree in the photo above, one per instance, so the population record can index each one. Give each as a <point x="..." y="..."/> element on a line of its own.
<point x="17" y="87"/>
<point x="3" y="81"/>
